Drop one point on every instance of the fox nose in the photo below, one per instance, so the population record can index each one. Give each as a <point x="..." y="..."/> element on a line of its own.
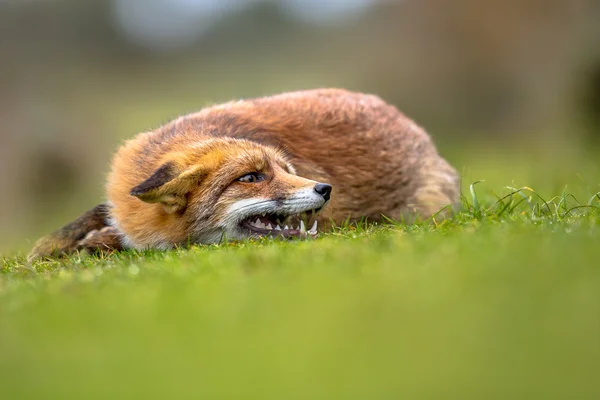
<point x="324" y="190"/>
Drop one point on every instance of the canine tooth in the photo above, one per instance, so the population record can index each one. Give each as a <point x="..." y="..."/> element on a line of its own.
<point x="302" y="227"/>
<point x="277" y="228"/>
<point x="286" y="228"/>
<point x="314" y="227"/>
<point x="269" y="227"/>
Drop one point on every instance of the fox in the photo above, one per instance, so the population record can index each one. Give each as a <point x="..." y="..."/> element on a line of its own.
<point x="268" y="166"/>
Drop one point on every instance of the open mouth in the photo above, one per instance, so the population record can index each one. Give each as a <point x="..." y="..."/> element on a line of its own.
<point x="290" y="226"/>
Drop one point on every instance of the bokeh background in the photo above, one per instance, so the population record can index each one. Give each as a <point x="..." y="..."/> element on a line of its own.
<point x="510" y="90"/>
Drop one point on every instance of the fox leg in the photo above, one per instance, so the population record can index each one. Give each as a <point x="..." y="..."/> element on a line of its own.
<point x="90" y="232"/>
<point x="105" y="240"/>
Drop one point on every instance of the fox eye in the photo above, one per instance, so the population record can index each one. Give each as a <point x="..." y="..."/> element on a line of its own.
<point x="251" y="178"/>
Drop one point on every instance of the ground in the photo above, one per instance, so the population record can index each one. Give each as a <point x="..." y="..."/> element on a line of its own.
<point x="500" y="301"/>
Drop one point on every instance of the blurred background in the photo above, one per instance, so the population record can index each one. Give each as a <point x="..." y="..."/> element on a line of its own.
<point x="510" y="90"/>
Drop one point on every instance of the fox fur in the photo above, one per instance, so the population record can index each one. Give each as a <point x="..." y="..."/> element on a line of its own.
<point x="205" y="176"/>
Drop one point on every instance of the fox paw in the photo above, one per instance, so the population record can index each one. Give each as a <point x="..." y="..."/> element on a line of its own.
<point x="105" y="240"/>
<point x="49" y="247"/>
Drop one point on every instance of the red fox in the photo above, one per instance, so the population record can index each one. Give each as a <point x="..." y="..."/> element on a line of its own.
<point x="284" y="166"/>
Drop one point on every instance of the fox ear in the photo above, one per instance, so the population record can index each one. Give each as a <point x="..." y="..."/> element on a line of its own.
<point x="168" y="185"/>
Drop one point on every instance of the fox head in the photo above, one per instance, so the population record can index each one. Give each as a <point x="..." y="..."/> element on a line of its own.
<point x="219" y="189"/>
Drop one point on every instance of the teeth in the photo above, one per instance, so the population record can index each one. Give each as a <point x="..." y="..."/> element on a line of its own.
<point x="275" y="226"/>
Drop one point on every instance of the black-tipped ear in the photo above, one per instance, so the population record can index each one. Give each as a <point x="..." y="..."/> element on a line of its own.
<point x="161" y="176"/>
<point x="168" y="185"/>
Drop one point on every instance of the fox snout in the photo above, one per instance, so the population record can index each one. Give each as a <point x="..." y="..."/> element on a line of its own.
<point x="324" y="190"/>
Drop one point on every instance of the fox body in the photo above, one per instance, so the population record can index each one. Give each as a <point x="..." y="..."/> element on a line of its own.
<point x="266" y="166"/>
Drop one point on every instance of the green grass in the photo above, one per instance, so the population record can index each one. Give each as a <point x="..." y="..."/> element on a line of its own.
<point x="500" y="301"/>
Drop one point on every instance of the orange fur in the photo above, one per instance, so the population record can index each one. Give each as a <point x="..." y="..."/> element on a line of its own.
<point x="178" y="183"/>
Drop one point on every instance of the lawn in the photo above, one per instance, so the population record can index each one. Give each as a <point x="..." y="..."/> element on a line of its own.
<point x="500" y="301"/>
